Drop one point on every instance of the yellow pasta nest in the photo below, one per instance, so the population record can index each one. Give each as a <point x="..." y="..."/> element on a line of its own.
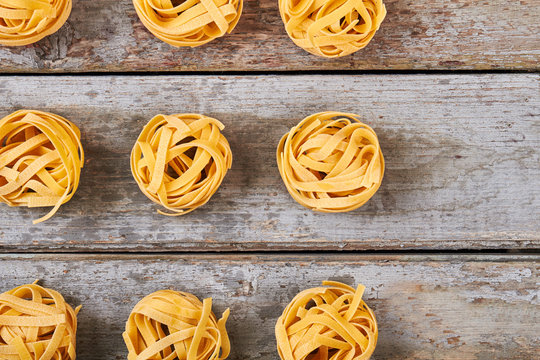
<point x="324" y="323"/>
<point x="41" y="157"/>
<point x="332" y="28"/>
<point x="189" y="23"/>
<point x="36" y="323"/>
<point x="176" y="325"/>
<point x="180" y="160"/>
<point x="331" y="162"/>
<point x="24" y="22"/>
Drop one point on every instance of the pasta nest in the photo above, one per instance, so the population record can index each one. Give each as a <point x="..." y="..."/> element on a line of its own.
<point x="179" y="161"/>
<point x="188" y="23"/>
<point x="41" y="157"/>
<point x="176" y="325"/>
<point x="324" y="323"/>
<point x="36" y="323"/>
<point x="24" y="22"/>
<point x="332" y="28"/>
<point x="331" y="162"/>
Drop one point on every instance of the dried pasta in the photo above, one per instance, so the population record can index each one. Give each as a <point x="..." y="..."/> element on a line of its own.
<point x="332" y="28"/>
<point x="41" y="157"/>
<point x="36" y="323"/>
<point x="179" y="161"/>
<point x="331" y="162"/>
<point x="176" y="325"/>
<point x="189" y="23"/>
<point x="24" y="22"/>
<point x="331" y="322"/>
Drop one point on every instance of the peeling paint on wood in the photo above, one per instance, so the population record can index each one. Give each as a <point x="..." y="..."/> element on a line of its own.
<point x="104" y="35"/>
<point x="427" y="307"/>
<point x="462" y="163"/>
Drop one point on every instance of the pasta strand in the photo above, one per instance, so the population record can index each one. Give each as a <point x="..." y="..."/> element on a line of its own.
<point x="179" y="161"/>
<point x="331" y="162"/>
<point x="175" y="325"/>
<point x="36" y="323"/>
<point x="41" y="158"/>
<point x="192" y="22"/>
<point x="332" y="28"/>
<point x="329" y="322"/>
<point x="24" y="22"/>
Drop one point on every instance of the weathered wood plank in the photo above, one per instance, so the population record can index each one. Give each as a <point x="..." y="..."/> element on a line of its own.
<point x="452" y="307"/>
<point x="461" y="152"/>
<point x="104" y="35"/>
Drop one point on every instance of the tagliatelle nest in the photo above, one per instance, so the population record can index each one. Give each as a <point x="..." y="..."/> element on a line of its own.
<point x="179" y="161"/>
<point x="331" y="162"/>
<point x="36" y="323"/>
<point x="176" y="325"/>
<point x="24" y="22"/>
<point x="41" y="157"/>
<point x="189" y="23"/>
<point x="332" y="28"/>
<point x="324" y="323"/>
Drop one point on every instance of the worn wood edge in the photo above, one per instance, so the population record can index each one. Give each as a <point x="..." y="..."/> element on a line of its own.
<point x="321" y="258"/>
<point x="532" y="242"/>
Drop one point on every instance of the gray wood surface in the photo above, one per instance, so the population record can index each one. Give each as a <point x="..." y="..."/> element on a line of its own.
<point x="462" y="173"/>
<point x="106" y="35"/>
<point x="429" y="307"/>
<point x="462" y="163"/>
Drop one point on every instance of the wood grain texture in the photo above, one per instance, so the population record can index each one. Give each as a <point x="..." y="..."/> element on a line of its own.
<point x="462" y="163"/>
<point x="453" y="307"/>
<point x="105" y="35"/>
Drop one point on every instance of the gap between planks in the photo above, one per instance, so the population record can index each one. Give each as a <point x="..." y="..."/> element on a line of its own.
<point x="325" y="258"/>
<point x="284" y="73"/>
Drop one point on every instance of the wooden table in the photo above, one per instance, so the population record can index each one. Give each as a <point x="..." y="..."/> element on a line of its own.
<point x="448" y="247"/>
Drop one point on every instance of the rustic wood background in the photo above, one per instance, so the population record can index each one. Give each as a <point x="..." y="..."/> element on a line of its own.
<point x="106" y="35"/>
<point x="451" y="88"/>
<point x="462" y="163"/>
<point x="428" y="307"/>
